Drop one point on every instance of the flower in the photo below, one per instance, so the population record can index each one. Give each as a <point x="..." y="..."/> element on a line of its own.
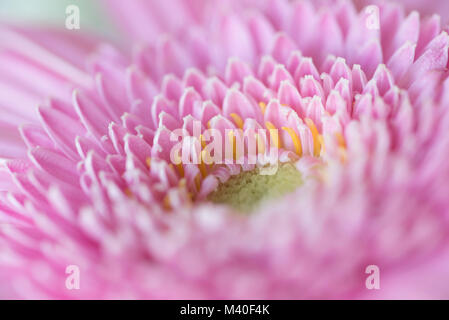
<point x="361" y="119"/>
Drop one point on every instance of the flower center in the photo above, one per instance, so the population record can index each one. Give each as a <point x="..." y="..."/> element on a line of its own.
<point x="247" y="190"/>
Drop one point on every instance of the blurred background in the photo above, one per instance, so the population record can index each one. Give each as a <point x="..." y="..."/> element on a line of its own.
<point x="95" y="19"/>
<point x="51" y="13"/>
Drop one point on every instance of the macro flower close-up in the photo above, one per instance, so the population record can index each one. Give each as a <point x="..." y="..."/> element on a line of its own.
<point x="241" y="149"/>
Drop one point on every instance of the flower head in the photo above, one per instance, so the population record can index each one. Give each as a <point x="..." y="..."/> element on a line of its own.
<point x="357" y="118"/>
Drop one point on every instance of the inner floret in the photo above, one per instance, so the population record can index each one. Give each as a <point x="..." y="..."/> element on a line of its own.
<point x="247" y="190"/>
<point x="286" y="112"/>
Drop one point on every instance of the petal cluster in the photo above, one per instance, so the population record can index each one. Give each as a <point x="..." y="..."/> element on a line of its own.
<point x="361" y="111"/>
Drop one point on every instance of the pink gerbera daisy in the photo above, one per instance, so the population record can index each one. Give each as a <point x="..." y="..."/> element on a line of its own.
<point x="356" y="112"/>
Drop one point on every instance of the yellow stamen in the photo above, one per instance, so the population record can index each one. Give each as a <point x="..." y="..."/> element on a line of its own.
<point x="203" y="141"/>
<point x="202" y="165"/>
<point x="177" y="157"/>
<point x="208" y="124"/>
<point x="295" y="139"/>
<point x="340" y="139"/>
<point x="173" y="168"/>
<point x="148" y="162"/>
<point x="263" y="107"/>
<point x="315" y="134"/>
<point x="198" y="182"/>
<point x="206" y="158"/>
<point x="166" y="203"/>
<point x="180" y="169"/>
<point x="237" y="120"/>
<point x="128" y="193"/>
<point x="343" y="154"/>
<point x="274" y="134"/>
<point x="233" y="141"/>
<point x="260" y="144"/>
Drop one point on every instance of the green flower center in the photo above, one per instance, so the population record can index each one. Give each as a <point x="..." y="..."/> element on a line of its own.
<point x="247" y="190"/>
